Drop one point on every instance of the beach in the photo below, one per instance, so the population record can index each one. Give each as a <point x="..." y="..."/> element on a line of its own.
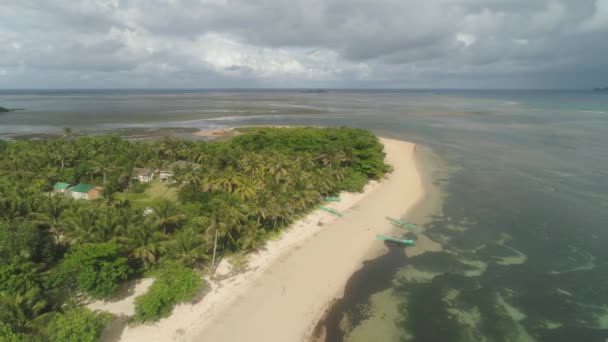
<point x="292" y="280"/>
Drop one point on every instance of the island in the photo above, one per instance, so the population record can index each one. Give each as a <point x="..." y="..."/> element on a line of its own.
<point x="315" y="91"/>
<point x="85" y="220"/>
<point x="601" y="89"/>
<point x="4" y="110"/>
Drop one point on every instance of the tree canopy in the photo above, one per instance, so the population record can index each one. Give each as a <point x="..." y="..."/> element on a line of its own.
<point x="228" y="197"/>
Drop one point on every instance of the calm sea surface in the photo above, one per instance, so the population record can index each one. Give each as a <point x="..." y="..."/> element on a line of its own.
<point x="521" y="210"/>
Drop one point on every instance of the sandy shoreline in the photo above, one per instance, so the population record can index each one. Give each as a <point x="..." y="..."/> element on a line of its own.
<point x="221" y="133"/>
<point x="292" y="280"/>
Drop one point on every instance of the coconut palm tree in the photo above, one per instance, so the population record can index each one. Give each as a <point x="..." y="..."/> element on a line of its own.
<point x="102" y="165"/>
<point x="252" y="235"/>
<point x="13" y="206"/>
<point x="81" y="226"/>
<point x="227" y="215"/>
<point x="247" y="188"/>
<point x="52" y="212"/>
<point x="106" y="225"/>
<point x="217" y="226"/>
<point x="67" y="132"/>
<point x="188" y="247"/>
<point x="146" y="244"/>
<point x="23" y="311"/>
<point x="166" y="216"/>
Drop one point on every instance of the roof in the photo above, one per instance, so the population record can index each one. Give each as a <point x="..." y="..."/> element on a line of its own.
<point x="84" y="188"/>
<point x="142" y="171"/>
<point x="60" y="185"/>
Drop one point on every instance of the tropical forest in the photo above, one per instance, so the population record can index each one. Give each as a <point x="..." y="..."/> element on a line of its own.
<point x="217" y="199"/>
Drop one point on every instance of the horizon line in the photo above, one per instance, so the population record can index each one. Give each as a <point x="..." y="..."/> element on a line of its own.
<point x="300" y="88"/>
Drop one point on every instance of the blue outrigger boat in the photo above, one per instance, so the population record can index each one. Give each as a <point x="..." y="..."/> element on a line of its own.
<point x="407" y="242"/>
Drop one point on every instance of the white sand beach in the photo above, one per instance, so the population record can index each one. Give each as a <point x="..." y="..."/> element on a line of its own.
<point x="292" y="280"/>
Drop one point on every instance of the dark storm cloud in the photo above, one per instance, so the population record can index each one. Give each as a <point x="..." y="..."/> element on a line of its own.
<point x="396" y="43"/>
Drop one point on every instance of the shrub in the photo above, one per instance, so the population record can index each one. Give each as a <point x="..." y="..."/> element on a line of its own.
<point x="8" y="335"/>
<point x="17" y="277"/>
<point x="353" y="181"/>
<point x="138" y="187"/>
<point x="78" y="325"/>
<point x="174" y="284"/>
<point x="96" y="269"/>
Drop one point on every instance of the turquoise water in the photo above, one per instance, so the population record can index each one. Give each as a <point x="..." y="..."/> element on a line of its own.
<point x="523" y="221"/>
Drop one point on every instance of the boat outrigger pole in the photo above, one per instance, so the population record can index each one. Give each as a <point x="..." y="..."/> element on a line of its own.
<point x="330" y="210"/>
<point x="332" y="199"/>
<point x="399" y="223"/>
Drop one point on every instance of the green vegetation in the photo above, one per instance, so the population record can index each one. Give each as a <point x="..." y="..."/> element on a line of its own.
<point x="146" y="194"/>
<point x="174" y="283"/>
<point x="4" y="110"/>
<point x="353" y="181"/>
<point x="225" y="198"/>
<point x="95" y="269"/>
<point x="78" y="325"/>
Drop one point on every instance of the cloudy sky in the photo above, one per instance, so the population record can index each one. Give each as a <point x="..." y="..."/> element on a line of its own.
<point x="303" y="43"/>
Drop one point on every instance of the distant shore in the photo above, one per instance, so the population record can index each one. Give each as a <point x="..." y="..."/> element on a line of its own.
<point x="229" y="132"/>
<point x="293" y="280"/>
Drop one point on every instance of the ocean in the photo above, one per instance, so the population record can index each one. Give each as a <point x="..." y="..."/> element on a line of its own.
<point x="519" y="201"/>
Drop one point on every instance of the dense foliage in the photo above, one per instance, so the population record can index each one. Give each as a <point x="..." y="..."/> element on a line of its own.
<point x="95" y="269"/>
<point x="174" y="283"/>
<point x="78" y="325"/>
<point x="224" y="197"/>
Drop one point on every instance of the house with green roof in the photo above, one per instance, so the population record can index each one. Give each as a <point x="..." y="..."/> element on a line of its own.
<point x="84" y="191"/>
<point x="61" y="187"/>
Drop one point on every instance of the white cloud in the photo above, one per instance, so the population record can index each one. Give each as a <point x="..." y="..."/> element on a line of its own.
<point x="550" y="19"/>
<point x="599" y="20"/>
<point x="335" y="42"/>
<point x="466" y="39"/>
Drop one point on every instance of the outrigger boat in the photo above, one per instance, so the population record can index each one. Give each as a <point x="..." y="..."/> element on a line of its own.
<point x="399" y="223"/>
<point x="407" y="242"/>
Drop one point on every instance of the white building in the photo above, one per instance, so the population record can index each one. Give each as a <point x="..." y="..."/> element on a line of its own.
<point x="143" y="175"/>
<point x="165" y="175"/>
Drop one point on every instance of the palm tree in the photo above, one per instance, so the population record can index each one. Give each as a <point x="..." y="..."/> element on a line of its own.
<point x="166" y="216"/>
<point x="258" y="207"/>
<point x="227" y="216"/>
<point x="52" y="213"/>
<point x="24" y="311"/>
<point x="188" y="247"/>
<point x="278" y="167"/>
<point x="218" y="227"/>
<point x="146" y="244"/>
<point x="67" y="132"/>
<point x="234" y="214"/>
<point x="252" y="235"/>
<point x="125" y="216"/>
<point x="12" y="207"/>
<point x="103" y="164"/>
<point x="81" y="226"/>
<point x="247" y="188"/>
<point x="106" y="225"/>
<point x="251" y="164"/>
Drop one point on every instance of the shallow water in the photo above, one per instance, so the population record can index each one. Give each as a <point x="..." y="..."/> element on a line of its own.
<point x="523" y="200"/>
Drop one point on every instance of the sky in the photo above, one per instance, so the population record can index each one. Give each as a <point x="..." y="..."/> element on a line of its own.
<point x="303" y="44"/>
